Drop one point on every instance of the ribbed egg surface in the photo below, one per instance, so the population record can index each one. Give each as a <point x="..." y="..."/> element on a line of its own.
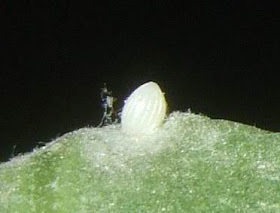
<point x="144" y="110"/>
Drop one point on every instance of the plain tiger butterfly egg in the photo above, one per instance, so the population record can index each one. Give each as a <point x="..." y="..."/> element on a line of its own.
<point x="144" y="110"/>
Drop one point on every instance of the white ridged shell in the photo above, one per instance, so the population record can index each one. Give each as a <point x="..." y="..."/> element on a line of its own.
<point x="144" y="110"/>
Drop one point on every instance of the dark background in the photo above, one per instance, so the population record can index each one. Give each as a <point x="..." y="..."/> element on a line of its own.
<point x="219" y="58"/>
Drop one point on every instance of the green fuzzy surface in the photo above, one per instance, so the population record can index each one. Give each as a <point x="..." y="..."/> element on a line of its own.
<point x="191" y="164"/>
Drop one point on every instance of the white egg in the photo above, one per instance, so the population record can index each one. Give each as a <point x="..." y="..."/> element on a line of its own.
<point x="144" y="110"/>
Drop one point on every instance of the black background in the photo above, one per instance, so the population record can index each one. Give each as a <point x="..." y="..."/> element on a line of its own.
<point x="218" y="58"/>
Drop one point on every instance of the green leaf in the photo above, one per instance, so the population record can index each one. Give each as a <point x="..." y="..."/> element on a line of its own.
<point x="191" y="164"/>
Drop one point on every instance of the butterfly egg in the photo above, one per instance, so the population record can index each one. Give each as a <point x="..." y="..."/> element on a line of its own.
<point x="144" y="110"/>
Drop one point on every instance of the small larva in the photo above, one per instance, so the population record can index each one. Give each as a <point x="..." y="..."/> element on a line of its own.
<point x="144" y="110"/>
